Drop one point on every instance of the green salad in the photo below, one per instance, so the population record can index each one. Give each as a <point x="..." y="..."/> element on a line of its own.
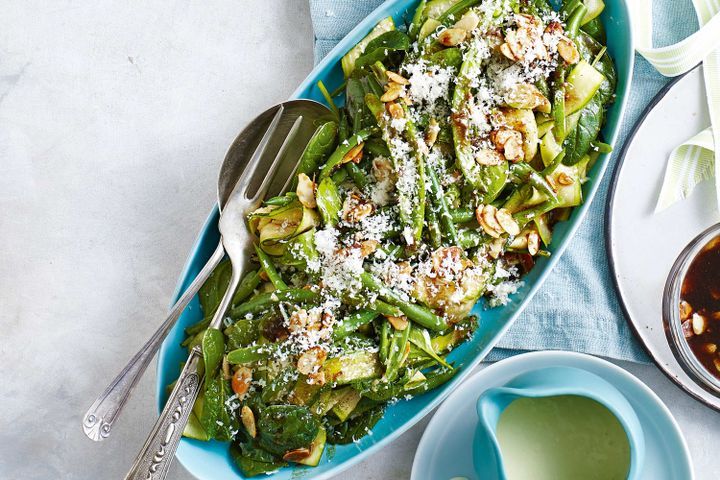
<point x="463" y="138"/>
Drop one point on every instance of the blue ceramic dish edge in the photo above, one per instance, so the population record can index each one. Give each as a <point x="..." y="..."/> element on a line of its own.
<point x="323" y="71"/>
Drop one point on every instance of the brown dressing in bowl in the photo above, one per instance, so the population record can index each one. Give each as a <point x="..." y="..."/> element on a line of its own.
<point x="700" y="306"/>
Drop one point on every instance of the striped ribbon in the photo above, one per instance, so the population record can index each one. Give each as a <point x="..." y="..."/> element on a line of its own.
<point x="695" y="160"/>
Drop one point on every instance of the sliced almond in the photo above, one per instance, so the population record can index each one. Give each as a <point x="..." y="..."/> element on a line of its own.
<point x="311" y="360"/>
<point x="297" y="455"/>
<point x="568" y="51"/>
<point x="394" y="90"/>
<point x="248" y="420"/>
<point x="398" y="323"/>
<point x="355" y="154"/>
<point x="306" y="191"/>
<point x="368" y="247"/>
<point x="564" y="179"/>
<point x="468" y="22"/>
<point x="533" y="243"/>
<point x="431" y="134"/>
<point x="451" y="37"/>
<point x="489" y="221"/>
<point x="495" y="248"/>
<point x="507" y="52"/>
<point x="355" y="209"/>
<point x="488" y="157"/>
<point x="395" y="110"/>
<point x="710" y="347"/>
<point x="699" y="324"/>
<point x="507" y="222"/>
<point x="394" y="77"/>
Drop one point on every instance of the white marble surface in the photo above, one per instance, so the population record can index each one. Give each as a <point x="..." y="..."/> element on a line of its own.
<point x="114" y="118"/>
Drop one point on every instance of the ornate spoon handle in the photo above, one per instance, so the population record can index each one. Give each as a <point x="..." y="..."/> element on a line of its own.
<point x="99" y="419"/>
<point x="155" y="457"/>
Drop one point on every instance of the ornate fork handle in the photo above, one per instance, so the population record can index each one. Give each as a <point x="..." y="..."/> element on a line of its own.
<point x="155" y="458"/>
<point x="99" y="419"/>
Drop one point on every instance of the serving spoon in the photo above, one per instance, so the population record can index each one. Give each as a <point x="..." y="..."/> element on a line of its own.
<point x="290" y="124"/>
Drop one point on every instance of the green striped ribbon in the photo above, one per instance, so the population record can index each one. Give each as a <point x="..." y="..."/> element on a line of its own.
<point x="695" y="160"/>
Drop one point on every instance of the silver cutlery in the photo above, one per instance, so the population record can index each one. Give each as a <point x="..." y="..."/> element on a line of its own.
<point x="99" y="419"/>
<point x="156" y="455"/>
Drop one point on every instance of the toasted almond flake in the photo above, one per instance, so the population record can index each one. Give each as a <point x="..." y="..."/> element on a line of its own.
<point x="699" y="324"/>
<point x="355" y="154"/>
<point x="398" y="323"/>
<point x="495" y="248"/>
<point x="355" y="209"/>
<point x="451" y="37"/>
<point x="533" y="243"/>
<point x="507" y="222"/>
<point x="393" y="92"/>
<point x="568" y="51"/>
<point x="710" y="347"/>
<point x="488" y="157"/>
<point x="399" y="79"/>
<point x="297" y="455"/>
<point x="432" y="132"/>
<point x="248" y="420"/>
<point x="489" y="221"/>
<point x="395" y="110"/>
<point x="368" y="247"/>
<point x="306" y="191"/>
<point x="468" y="22"/>
<point x="311" y="360"/>
<point x="507" y="51"/>
<point x="564" y="179"/>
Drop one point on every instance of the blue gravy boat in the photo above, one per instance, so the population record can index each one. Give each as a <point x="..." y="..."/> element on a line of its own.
<point x="550" y="382"/>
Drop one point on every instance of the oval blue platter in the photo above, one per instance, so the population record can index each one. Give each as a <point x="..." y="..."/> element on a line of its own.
<point x="211" y="460"/>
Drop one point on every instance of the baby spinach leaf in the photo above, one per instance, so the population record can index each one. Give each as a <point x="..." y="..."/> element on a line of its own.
<point x="382" y="46"/>
<point x="242" y="333"/>
<point x="355" y="428"/>
<point x="213" y="348"/>
<point x="595" y="29"/>
<point x="578" y="141"/>
<point x="216" y="419"/>
<point x="214" y="288"/>
<point x="253" y="460"/>
<point x="286" y="427"/>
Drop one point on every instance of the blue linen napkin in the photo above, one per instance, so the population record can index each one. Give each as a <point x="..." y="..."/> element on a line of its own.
<point x="577" y="308"/>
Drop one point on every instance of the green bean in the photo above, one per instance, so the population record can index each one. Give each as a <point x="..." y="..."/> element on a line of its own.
<point x="449" y="230"/>
<point x="470" y="238"/>
<point x="382" y="308"/>
<point x="433" y="380"/>
<point x="339" y="176"/>
<point x="433" y="226"/>
<point x="266" y="300"/>
<point x="321" y="144"/>
<point x="358" y="176"/>
<point x="270" y="270"/>
<point x="336" y="159"/>
<point x="573" y="23"/>
<point x="328" y="98"/>
<point x="553" y="165"/>
<point x="527" y="174"/>
<point x="417" y="313"/>
<point x="352" y="322"/>
<point x="417" y="20"/>
<point x="462" y="215"/>
<point x="328" y="201"/>
<point x="396" y="355"/>
<point x="384" y="348"/>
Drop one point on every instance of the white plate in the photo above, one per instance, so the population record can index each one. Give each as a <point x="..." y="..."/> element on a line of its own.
<point x="445" y="450"/>
<point x="642" y="245"/>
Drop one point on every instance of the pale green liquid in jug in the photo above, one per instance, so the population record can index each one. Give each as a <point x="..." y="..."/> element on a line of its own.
<point x="565" y="437"/>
